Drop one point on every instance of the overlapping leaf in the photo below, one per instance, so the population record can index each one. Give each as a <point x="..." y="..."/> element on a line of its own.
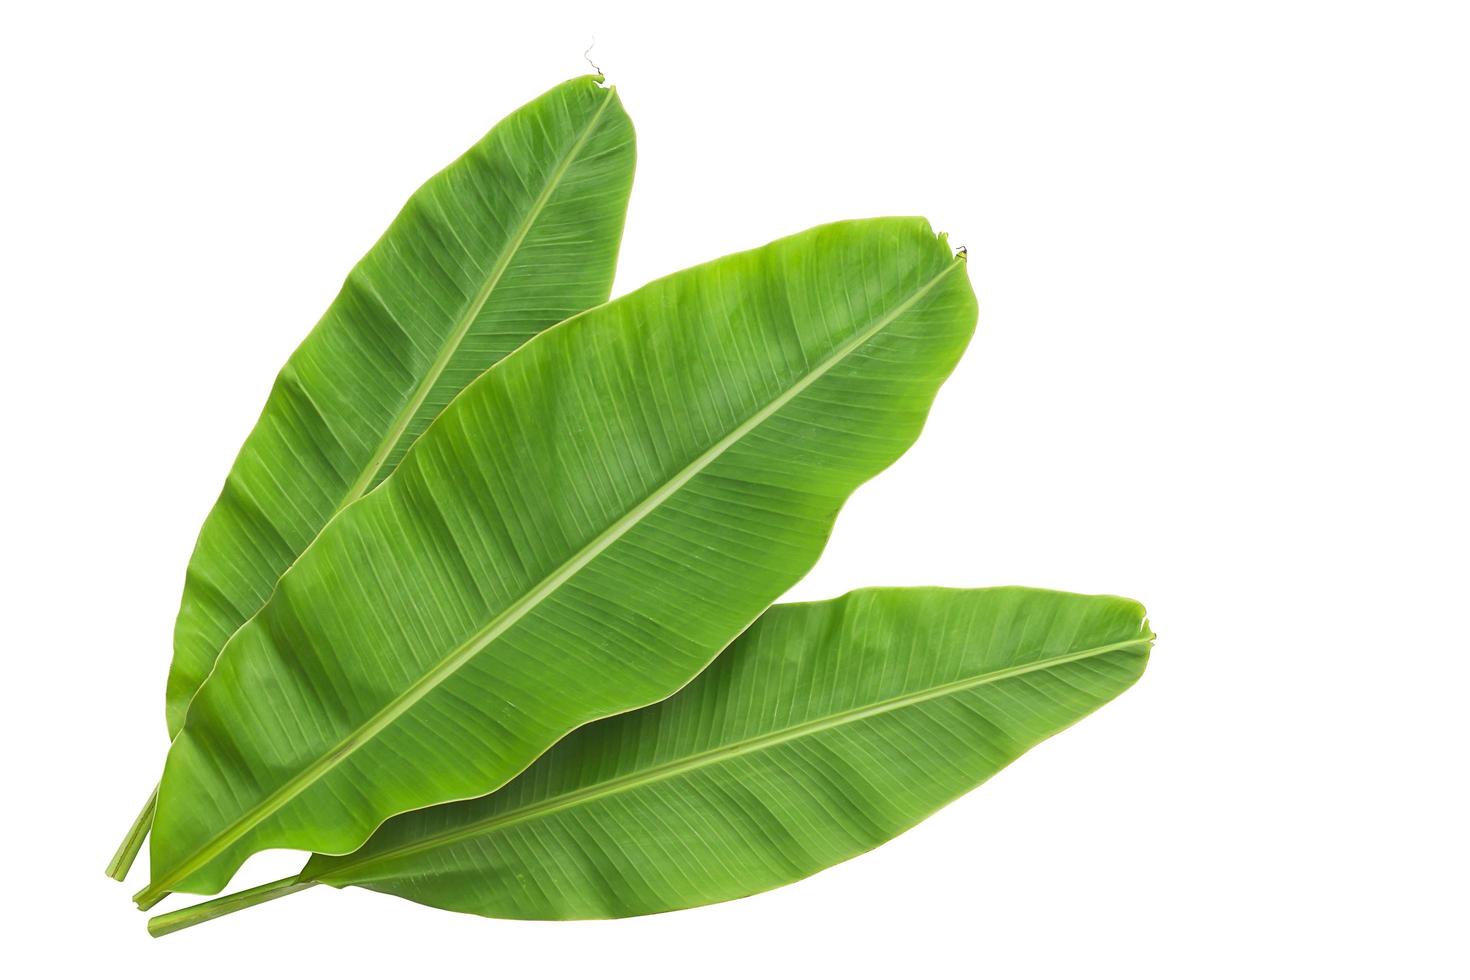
<point x="576" y="535"/>
<point x="518" y="234"/>
<point x="824" y="730"/>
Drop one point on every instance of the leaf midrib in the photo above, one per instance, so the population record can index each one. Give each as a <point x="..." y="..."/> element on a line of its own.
<point x="721" y="754"/>
<point x="462" y="328"/>
<point x="513" y="613"/>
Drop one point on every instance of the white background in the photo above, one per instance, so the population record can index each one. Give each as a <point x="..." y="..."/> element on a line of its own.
<point x="1221" y="251"/>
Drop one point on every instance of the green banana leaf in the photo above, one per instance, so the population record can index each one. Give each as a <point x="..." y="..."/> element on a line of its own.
<point x="826" y="729"/>
<point x="577" y="535"/>
<point x="516" y="235"/>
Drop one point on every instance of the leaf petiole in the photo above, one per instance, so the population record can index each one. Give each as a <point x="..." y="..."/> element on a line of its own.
<point x="127" y="851"/>
<point x="162" y="925"/>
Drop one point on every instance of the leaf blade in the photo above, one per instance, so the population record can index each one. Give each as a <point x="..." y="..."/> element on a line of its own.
<point x="544" y="511"/>
<point x="610" y="822"/>
<point x="519" y="233"/>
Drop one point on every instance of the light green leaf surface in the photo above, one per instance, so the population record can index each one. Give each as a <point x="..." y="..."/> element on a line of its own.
<point x="826" y="729"/>
<point x="578" y="534"/>
<point x="516" y="235"/>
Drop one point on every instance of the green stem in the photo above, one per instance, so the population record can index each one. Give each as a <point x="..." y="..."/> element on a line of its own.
<point x="162" y="925"/>
<point x="128" y="850"/>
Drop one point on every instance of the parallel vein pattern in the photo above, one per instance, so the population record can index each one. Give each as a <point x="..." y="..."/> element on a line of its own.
<point x="577" y="535"/>
<point x="518" y="234"/>
<point x="826" y="729"/>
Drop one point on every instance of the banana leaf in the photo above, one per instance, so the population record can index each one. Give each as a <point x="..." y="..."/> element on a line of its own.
<point x="826" y="729"/>
<point x="516" y="235"/>
<point x="578" y="534"/>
